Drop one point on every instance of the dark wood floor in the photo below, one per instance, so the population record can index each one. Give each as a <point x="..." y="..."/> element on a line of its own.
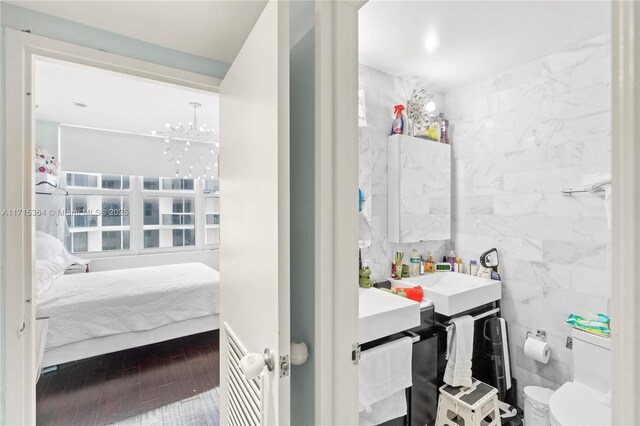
<point x="122" y="385"/>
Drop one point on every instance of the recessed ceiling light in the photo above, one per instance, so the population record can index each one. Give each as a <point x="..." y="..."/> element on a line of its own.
<point x="431" y="42"/>
<point x="79" y="104"/>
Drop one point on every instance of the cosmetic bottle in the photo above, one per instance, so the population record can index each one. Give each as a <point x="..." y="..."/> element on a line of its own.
<point x="473" y="267"/>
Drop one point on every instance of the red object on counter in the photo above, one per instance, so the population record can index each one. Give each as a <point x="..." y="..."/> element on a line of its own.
<point x="415" y="293"/>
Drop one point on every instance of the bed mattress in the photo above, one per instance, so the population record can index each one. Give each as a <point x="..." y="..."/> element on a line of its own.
<point x="97" y="304"/>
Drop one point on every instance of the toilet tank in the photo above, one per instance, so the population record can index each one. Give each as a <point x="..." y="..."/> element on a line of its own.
<point x="591" y="360"/>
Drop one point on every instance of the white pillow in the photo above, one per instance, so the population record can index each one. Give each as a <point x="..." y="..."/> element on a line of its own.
<point x="49" y="248"/>
<point x="47" y="271"/>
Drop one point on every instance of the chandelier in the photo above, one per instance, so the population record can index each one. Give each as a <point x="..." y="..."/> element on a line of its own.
<point x="192" y="149"/>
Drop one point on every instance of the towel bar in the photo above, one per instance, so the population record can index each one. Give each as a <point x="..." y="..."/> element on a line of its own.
<point x="568" y="192"/>
<point x="477" y="317"/>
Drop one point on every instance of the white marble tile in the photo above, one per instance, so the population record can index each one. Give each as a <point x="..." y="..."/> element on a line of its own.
<point x="516" y="204"/>
<point x="594" y="281"/>
<point x="574" y="254"/>
<point x="520" y="292"/>
<point x="572" y="302"/>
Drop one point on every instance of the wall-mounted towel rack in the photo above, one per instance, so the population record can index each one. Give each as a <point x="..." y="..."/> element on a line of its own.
<point x="568" y="191"/>
<point x="477" y="317"/>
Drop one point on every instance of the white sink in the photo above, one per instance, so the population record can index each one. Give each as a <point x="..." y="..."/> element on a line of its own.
<point x="382" y="314"/>
<point x="453" y="293"/>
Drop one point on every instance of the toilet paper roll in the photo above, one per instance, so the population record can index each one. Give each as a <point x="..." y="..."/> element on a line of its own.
<point x="537" y="350"/>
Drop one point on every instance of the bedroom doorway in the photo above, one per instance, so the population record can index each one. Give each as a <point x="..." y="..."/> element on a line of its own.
<point x="335" y="326"/>
<point x="126" y="250"/>
<point x="148" y="231"/>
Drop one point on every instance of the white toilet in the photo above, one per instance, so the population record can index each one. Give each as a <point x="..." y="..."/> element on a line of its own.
<point x="586" y="399"/>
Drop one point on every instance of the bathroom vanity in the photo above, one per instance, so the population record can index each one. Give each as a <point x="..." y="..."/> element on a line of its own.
<point x="403" y="317"/>
<point x="385" y="317"/>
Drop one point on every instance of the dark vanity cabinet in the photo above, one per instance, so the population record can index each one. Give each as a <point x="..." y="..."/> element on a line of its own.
<point x="422" y="397"/>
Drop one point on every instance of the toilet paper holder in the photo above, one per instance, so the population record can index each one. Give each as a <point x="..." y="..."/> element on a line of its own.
<point x="539" y="334"/>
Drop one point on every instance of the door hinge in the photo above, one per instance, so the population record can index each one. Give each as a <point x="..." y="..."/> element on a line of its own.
<point x="355" y="354"/>
<point x="284" y="365"/>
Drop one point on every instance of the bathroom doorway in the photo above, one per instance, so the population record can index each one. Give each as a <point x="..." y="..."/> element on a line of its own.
<point x="525" y="129"/>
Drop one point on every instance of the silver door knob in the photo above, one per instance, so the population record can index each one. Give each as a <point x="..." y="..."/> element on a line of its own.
<point x="253" y="364"/>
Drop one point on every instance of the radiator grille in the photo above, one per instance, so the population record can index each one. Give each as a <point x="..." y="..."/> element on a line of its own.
<point x="244" y="396"/>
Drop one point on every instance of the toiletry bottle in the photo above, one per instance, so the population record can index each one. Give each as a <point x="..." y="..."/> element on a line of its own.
<point x="451" y="259"/>
<point x="430" y="265"/>
<point x="397" y="128"/>
<point x="422" y="264"/>
<point x="414" y="263"/>
<point x="444" y="128"/>
<point x="459" y="265"/>
<point x="473" y="267"/>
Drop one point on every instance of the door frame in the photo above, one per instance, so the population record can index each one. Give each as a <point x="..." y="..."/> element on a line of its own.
<point x="336" y="99"/>
<point x="625" y="238"/>
<point x="336" y="325"/>
<point x="336" y="233"/>
<point x="17" y="389"/>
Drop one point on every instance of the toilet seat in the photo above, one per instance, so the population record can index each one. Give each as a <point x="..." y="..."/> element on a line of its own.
<point x="576" y="404"/>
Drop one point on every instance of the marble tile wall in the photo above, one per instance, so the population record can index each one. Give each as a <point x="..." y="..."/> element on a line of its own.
<point x="379" y="93"/>
<point x="518" y="139"/>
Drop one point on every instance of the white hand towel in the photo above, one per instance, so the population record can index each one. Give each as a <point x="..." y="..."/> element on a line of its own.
<point x="459" y="352"/>
<point x="383" y="372"/>
<point x="388" y="409"/>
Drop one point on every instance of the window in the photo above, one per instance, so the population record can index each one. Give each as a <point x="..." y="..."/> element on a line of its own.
<point x="212" y="220"/>
<point x="169" y="221"/>
<point x="79" y="242"/>
<point x="211" y="186"/>
<point x="151" y="183"/>
<point x="111" y="213"/>
<point x="78" y="213"/>
<point x="151" y="238"/>
<point x="115" y="182"/>
<point x="183" y="237"/>
<point x="115" y="240"/>
<point x="177" y="184"/>
<point x="97" y="210"/>
<point x="82" y="180"/>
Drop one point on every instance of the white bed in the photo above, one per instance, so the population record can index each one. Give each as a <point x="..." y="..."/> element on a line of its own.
<point x="101" y="312"/>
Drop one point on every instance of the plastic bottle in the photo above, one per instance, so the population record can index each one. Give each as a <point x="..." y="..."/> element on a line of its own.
<point x="444" y="128"/>
<point x="459" y="265"/>
<point x="473" y="267"/>
<point x="397" y="128"/>
<point x="451" y="259"/>
<point x="414" y="263"/>
<point x="429" y="265"/>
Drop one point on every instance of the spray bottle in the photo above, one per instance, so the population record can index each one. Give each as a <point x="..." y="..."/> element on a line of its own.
<point x="397" y="128"/>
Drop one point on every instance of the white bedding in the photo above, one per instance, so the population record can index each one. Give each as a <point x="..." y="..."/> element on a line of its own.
<point x="84" y="306"/>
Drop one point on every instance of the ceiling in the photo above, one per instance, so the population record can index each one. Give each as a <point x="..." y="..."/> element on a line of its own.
<point x="213" y="29"/>
<point x="449" y="44"/>
<point x="115" y="101"/>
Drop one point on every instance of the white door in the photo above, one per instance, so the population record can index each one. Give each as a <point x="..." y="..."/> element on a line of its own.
<point x="254" y="205"/>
